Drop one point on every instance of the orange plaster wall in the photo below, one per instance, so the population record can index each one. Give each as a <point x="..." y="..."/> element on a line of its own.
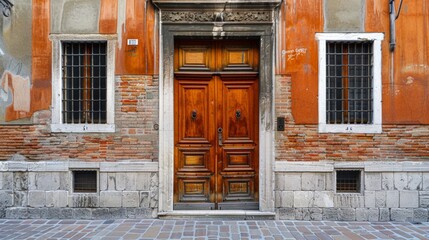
<point x="140" y="60"/>
<point x="151" y="40"/>
<point x="41" y="56"/>
<point x="406" y="86"/>
<point x="41" y="50"/>
<point x="12" y="113"/>
<point x="139" y="24"/>
<point x="297" y="56"/>
<point x="108" y="16"/>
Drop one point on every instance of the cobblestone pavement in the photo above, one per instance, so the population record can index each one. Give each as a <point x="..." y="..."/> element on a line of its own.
<point x="206" y="229"/>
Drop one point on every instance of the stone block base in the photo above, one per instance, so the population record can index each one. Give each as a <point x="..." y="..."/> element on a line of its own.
<point x="354" y="214"/>
<point x="79" y="213"/>
<point x="388" y="191"/>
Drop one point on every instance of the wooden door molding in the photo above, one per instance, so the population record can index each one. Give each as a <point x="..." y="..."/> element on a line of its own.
<point x="194" y="113"/>
<point x="216" y="124"/>
<point x="238" y="168"/>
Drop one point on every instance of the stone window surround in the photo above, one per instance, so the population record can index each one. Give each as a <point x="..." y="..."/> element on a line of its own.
<point x="57" y="125"/>
<point x="263" y="31"/>
<point x="376" y="127"/>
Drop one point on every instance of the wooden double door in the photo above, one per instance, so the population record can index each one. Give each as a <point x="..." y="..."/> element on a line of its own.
<point x="216" y="124"/>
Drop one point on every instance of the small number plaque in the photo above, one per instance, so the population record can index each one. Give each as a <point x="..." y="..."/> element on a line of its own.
<point x="132" y="42"/>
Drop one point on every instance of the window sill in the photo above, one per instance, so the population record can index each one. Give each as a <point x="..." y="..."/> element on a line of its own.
<point x="83" y="128"/>
<point x="350" y="128"/>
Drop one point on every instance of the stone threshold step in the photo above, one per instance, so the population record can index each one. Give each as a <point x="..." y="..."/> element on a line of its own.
<point x="217" y="215"/>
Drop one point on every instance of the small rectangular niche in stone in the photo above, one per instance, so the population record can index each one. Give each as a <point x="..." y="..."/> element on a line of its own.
<point x="85" y="181"/>
<point x="348" y="181"/>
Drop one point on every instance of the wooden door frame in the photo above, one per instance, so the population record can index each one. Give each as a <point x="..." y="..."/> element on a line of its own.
<point x="263" y="31"/>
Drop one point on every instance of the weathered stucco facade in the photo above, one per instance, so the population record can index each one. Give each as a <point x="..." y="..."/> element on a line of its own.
<point x="134" y="163"/>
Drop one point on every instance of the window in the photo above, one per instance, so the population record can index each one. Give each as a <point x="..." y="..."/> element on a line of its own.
<point x="350" y="82"/>
<point x="83" y="83"/>
<point x="84" y="181"/>
<point x="348" y="181"/>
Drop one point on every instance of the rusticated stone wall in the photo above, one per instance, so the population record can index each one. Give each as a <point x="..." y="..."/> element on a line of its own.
<point x="44" y="190"/>
<point x="391" y="191"/>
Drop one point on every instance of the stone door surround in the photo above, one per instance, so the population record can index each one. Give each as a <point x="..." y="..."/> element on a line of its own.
<point x="216" y="19"/>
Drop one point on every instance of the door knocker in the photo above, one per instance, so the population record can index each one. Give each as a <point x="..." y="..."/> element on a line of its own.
<point x="238" y="114"/>
<point x="194" y="114"/>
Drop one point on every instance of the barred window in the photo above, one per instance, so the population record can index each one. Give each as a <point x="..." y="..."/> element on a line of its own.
<point x="348" y="181"/>
<point x="84" y="82"/>
<point x="84" y="181"/>
<point x="349" y="82"/>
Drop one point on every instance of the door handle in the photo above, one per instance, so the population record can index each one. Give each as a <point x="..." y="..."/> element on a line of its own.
<point x="219" y="136"/>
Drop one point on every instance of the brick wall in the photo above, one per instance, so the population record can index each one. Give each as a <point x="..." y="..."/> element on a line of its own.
<point x="394" y="165"/>
<point x="135" y="138"/>
<point x="304" y="143"/>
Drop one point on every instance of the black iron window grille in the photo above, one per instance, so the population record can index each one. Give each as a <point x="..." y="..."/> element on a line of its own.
<point x="349" y="82"/>
<point x="348" y="181"/>
<point x="84" y="82"/>
<point x="85" y="181"/>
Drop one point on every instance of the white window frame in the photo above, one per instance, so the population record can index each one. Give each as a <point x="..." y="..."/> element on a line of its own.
<point x="376" y="126"/>
<point x="57" y="124"/>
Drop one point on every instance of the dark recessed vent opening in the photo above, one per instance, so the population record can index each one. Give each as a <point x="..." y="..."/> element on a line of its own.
<point x="84" y="181"/>
<point x="348" y="181"/>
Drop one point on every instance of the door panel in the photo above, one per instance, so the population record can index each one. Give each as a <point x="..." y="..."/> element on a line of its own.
<point x="238" y="187"/>
<point x="194" y="189"/>
<point x="216" y="125"/>
<point x="237" y="98"/>
<point x="238" y="159"/>
<point x="237" y="56"/>
<point x="195" y="57"/>
<point x="194" y="159"/>
<point x="193" y="115"/>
